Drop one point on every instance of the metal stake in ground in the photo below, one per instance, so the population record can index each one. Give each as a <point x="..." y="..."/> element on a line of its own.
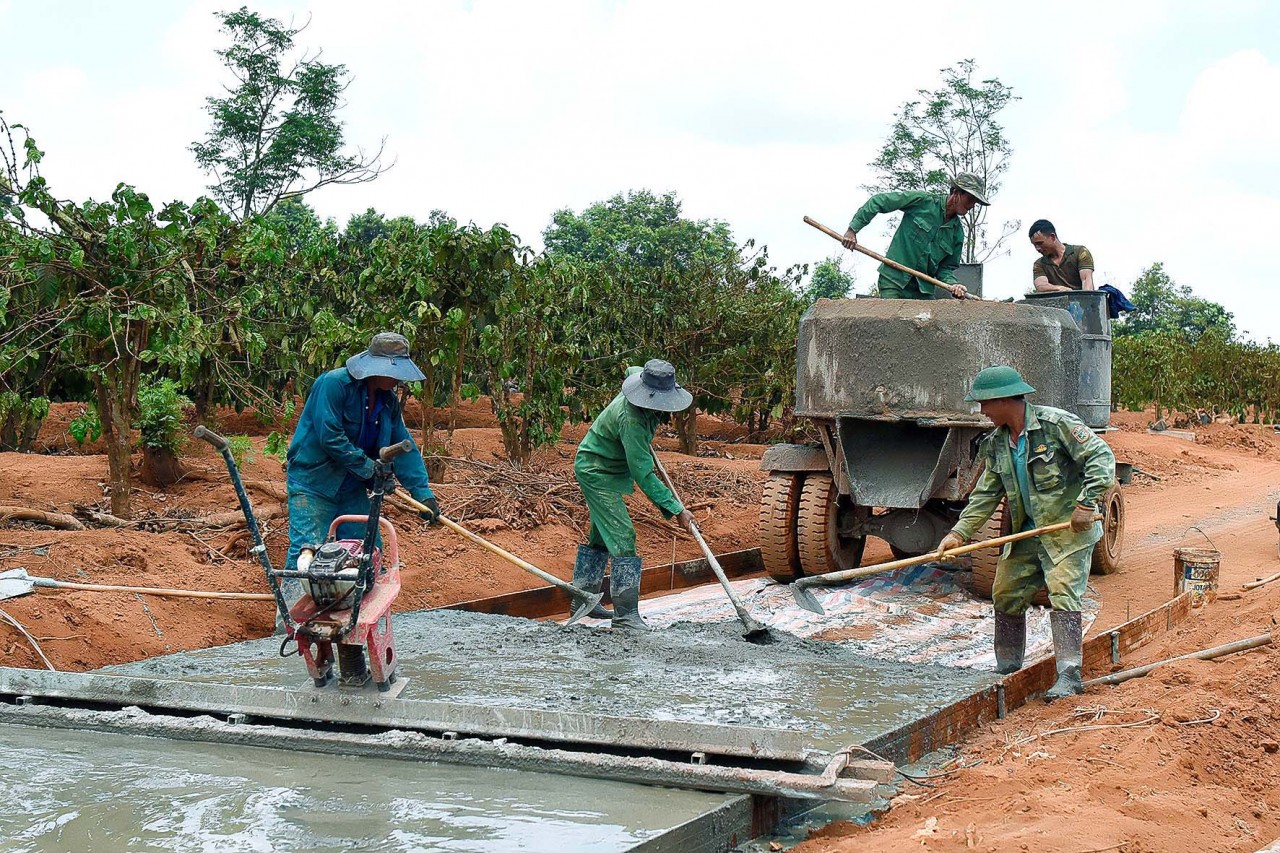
<point x="889" y="261"/>
<point x="804" y="598"/>
<point x="586" y="601"/>
<point x="756" y="632"/>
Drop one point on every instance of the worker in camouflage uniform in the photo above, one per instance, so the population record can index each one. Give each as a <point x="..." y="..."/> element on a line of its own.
<point x="930" y="238"/>
<point x="1051" y="468"/>
<point x="614" y="455"/>
<point x="350" y="415"/>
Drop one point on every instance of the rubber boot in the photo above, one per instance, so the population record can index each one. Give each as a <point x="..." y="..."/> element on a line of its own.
<point x="588" y="576"/>
<point x="624" y="587"/>
<point x="1011" y="642"/>
<point x="1067" y="641"/>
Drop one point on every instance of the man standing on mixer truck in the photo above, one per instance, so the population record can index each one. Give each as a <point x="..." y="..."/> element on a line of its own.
<point x="615" y="455"/>
<point x="1051" y="468"/>
<point x="1062" y="266"/>
<point x="351" y="414"/>
<point x="930" y="238"/>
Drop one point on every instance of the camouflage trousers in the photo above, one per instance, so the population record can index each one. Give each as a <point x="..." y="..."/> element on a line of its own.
<point x="1027" y="567"/>
<point x="889" y="289"/>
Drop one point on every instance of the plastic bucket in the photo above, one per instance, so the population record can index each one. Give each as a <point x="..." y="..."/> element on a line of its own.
<point x="1195" y="570"/>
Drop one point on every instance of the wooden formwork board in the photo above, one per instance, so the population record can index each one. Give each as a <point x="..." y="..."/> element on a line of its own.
<point x="910" y="742"/>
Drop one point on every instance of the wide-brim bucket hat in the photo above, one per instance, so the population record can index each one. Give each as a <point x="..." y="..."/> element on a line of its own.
<point x="387" y="355"/>
<point x="656" y="388"/>
<point x="995" y="383"/>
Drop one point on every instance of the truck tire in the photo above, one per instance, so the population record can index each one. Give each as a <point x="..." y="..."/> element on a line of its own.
<point x="821" y="547"/>
<point x="779" y="507"/>
<point x="1110" y="548"/>
<point x="984" y="562"/>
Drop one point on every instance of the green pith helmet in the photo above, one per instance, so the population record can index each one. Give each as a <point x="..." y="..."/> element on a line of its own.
<point x="994" y="383"/>
<point x="972" y="184"/>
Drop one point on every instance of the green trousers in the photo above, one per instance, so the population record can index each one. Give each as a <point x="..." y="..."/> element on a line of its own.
<point x="611" y="527"/>
<point x="889" y="289"/>
<point x="1027" y="567"/>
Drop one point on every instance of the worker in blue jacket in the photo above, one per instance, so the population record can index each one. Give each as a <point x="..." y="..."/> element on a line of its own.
<point x="351" y="414"/>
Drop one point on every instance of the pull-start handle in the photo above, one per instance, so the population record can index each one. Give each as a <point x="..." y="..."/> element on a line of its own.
<point x="391" y="451"/>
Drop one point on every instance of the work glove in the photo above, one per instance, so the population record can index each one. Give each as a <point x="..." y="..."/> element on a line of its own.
<point x="951" y="540"/>
<point x="432" y="513"/>
<point x="1082" y="518"/>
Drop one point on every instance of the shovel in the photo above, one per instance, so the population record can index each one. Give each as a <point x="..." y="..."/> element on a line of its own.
<point x="15" y="583"/>
<point x="806" y="599"/>
<point x="756" y="632"/>
<point x="585" y="601"/>
<point x="887" y="261"/>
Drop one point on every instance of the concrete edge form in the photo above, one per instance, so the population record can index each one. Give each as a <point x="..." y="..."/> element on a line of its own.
<point x="717" y="831"/>
<point x="942" y="728"/>
<point x="414" y="746"/>
<point x="548" y="601"/>
<point x="368" y="709"/>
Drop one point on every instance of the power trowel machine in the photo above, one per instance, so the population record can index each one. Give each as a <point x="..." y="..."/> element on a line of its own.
<point x="348" y="587"/>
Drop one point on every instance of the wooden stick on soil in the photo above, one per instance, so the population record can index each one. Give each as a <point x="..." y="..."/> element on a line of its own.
<point x="1203" y="654"/>
<point x="1261" y="581"/>
<point x="57" y="520"/>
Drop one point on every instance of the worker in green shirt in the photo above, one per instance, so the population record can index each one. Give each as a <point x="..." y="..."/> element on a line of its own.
<point x="615" y="455"/>
<point x="1051" y="468"/>
<point x="1061" y="266"/>
<point x="930" y="238"/>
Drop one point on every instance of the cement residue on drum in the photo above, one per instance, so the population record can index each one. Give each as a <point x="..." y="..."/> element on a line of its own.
<point x="95" y="793"/>
<point x="686" y="672"/>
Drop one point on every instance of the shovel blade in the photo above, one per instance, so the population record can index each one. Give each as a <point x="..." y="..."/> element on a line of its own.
<point x="583" y="605"/>
<point x="15" y="582"/>
<point x="805" y="599"/>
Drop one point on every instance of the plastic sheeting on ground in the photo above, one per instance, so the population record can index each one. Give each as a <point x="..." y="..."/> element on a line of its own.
<point x="921" y="614"/>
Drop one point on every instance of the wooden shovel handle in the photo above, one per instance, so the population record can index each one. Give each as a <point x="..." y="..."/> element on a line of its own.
<point x="932" y="556"/>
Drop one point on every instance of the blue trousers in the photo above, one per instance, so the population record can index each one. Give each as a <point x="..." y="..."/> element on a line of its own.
<point x="309" y="519"/>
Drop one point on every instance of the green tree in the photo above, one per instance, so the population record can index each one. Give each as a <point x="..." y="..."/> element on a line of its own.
<point x="939" y="134"/>
<point x="641" y="228"/>
<point x="276" y="134"/>
<point x="128" y="274"/>
<point x="830" y="280"/>
<point x="1163" y="305"/>
<point x="664" y="282"/>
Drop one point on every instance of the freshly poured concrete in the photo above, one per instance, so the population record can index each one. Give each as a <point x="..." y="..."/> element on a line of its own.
<point x="685" y="672"/>
<point x="91" y="792"/>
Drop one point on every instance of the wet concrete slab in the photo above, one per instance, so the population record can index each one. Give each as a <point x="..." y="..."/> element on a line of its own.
<point x="699" y="673"/>
<point x="83" y="791"/>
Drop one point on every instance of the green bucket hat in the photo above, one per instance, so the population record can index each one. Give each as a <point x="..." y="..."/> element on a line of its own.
<point x="994" y="383"/>
<point x="972" y="184"/>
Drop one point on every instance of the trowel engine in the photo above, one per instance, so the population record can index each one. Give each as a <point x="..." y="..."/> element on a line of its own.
<point x="346" y="607"/>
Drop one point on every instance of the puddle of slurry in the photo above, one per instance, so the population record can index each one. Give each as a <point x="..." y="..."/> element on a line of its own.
<point x="91" y="792"/>
<point x="705" y="673"/>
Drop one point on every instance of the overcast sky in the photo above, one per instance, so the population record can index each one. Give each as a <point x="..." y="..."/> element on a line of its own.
<point x="1148" y="131"/>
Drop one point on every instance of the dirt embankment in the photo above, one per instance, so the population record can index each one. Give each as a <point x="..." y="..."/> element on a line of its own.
<point x="536" y="513"/>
